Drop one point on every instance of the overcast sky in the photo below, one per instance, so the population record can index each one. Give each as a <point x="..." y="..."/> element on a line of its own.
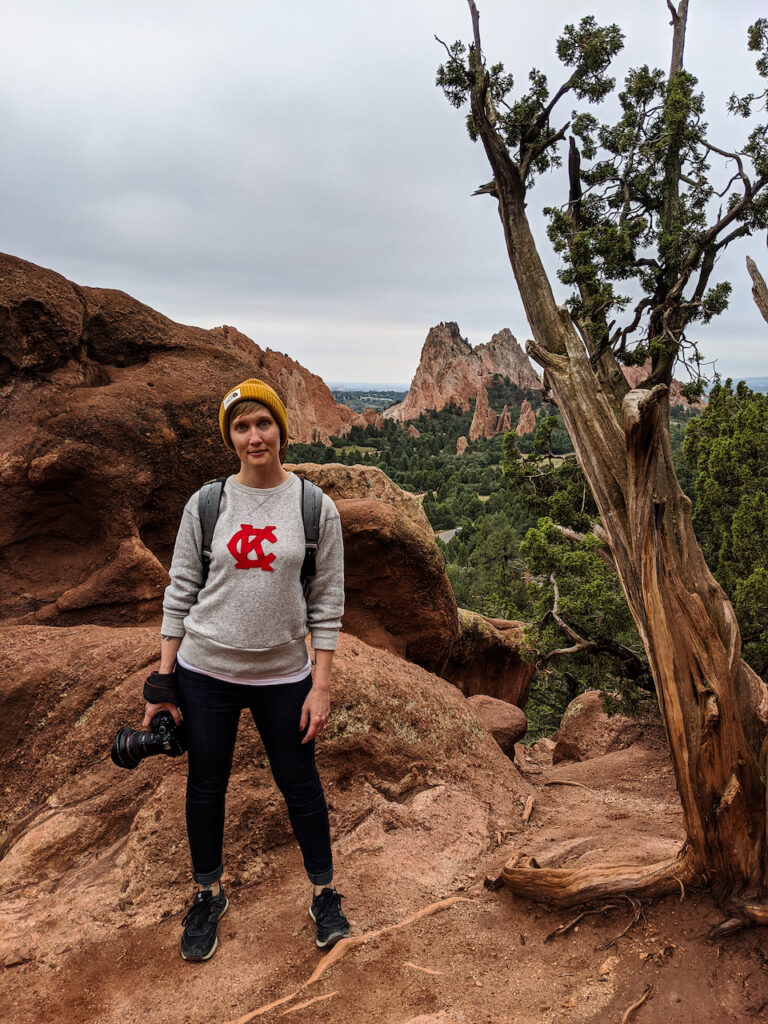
<point x="288" y="166"/>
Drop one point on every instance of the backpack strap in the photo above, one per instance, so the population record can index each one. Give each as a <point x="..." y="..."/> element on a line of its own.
<point x="311" y="505"/>
<point x="209" y="501"/>
<point x="208" y="508"/>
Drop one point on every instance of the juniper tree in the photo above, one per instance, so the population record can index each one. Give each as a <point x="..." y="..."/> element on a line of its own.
<point x="728" y="447"/>
<point x="652" y="201"/>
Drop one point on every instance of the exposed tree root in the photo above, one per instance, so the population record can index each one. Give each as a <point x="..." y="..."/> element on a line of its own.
<point x="415" y="967"/>
<point x="637" y="909"/>
<point x="636" y="1005"/>
<point x="748" y="913"/>
<point x="343" y="947"/>
<point x="567" y="782"/>
<point x="307" y="1002"/>
<point x="569" y="887"/>
<point x="564" y="928"/>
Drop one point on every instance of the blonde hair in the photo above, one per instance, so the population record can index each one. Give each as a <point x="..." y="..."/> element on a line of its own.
<point x="245" y="406"/>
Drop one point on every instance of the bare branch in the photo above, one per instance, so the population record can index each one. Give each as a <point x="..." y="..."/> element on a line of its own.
<point x="445" y="46"/>
<point x="532" y="152"/>
<point x="578" y="640"/>
<point x="730" y="156"/>
<point x="739" y="232"/>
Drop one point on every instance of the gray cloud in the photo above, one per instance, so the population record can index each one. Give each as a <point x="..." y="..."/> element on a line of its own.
<point x="290" y="168"/>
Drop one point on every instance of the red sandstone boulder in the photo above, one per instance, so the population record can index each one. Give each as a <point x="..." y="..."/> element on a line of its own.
<point x="109" y="424"/>
<point x="486" y="659"/>
<point x="586" y="730"/>
<point x="397" y="593"/>
<point x="505" y="722"/>
<point x="461" y="445"/>
<point x="369" y="482"/>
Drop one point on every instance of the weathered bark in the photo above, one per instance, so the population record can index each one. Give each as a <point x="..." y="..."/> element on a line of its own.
<point x="759" y="288"/>
<point x="714" y="706"/>
<point x="567" y="887"/>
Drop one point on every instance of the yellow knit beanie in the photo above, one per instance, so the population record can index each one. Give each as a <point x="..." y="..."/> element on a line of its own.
<point x="255" y="391"/>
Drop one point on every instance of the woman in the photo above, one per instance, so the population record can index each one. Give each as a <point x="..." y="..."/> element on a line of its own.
<point x="239" y="641"/>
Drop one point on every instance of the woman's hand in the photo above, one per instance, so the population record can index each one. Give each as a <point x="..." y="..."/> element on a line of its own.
<point x="315" y="712"/>
<point x="150" y="710"/>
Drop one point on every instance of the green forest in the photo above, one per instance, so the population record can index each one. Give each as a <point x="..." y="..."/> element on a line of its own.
<point x="527" y="541"/>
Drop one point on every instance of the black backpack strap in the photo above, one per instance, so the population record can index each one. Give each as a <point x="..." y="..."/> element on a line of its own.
<point x="311" y="505"/>
<point x="208" y="509"/>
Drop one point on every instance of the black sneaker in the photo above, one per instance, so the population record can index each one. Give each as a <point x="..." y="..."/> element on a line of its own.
<point x="200" y="923"/>
<point x="327" y="914"/>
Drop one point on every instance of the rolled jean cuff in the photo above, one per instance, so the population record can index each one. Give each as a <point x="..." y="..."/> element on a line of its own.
<point x="209" y="877"/>
<point x="324" y="878"/>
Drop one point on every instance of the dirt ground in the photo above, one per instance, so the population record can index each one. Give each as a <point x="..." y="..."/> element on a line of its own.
<point x="474" y="956"/>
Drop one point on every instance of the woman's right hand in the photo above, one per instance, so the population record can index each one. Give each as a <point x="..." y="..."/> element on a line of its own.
<point x="150" y="710"/>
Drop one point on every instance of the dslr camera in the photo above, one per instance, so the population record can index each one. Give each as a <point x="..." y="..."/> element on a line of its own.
<point x="162" y="737"/>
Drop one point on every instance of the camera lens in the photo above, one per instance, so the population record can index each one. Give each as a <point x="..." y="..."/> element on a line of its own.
<point x="163" y="737"/>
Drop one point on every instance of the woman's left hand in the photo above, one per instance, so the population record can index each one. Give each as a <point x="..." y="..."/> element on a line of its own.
<point x="315" y="712"/>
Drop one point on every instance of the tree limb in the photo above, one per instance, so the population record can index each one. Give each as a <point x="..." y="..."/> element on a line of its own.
<point x="759" y="288"/>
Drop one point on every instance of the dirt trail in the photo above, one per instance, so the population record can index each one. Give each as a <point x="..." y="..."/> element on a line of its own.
<point x="483" y="959"/>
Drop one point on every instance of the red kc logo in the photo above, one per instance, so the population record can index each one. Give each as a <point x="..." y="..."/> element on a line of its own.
<point x="246" y="542"/>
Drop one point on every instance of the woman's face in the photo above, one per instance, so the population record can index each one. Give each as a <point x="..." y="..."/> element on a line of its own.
<point x="256" y="438"/>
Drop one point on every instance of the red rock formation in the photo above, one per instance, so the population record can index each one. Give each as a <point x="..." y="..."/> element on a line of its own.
<point x="110" y="423"/>
<point x="372" y="418"/>
<point x="461" y="445"/>
<point x="504" y="424"/>
<point x="412" y="431"/>
<point x="450" y="370"/>
<point x="368" y="417"/>
<point x="527" y="422"/>
<point x="485" y="419"/>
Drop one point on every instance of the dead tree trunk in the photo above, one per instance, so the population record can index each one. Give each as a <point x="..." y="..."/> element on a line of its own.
<point x="714" y="706"/>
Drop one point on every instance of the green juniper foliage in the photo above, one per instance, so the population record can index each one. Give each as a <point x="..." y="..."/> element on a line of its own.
<point x="644" y="224"/>
<point x="728" y="450"/>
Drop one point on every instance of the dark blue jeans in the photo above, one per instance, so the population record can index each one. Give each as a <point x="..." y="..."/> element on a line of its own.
<point x="211" y="710"/>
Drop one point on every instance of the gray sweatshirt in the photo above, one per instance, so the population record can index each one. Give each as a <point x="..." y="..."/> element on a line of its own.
<point x="251" y="618"/>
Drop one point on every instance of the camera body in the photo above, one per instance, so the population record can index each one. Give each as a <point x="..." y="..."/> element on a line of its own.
<point x="131" y="746"/>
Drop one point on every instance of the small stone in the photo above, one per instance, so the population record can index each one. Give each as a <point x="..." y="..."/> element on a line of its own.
<point x="493" y="882"/>
<point x="608" y="967"/>
<point x="15" y="958"/>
